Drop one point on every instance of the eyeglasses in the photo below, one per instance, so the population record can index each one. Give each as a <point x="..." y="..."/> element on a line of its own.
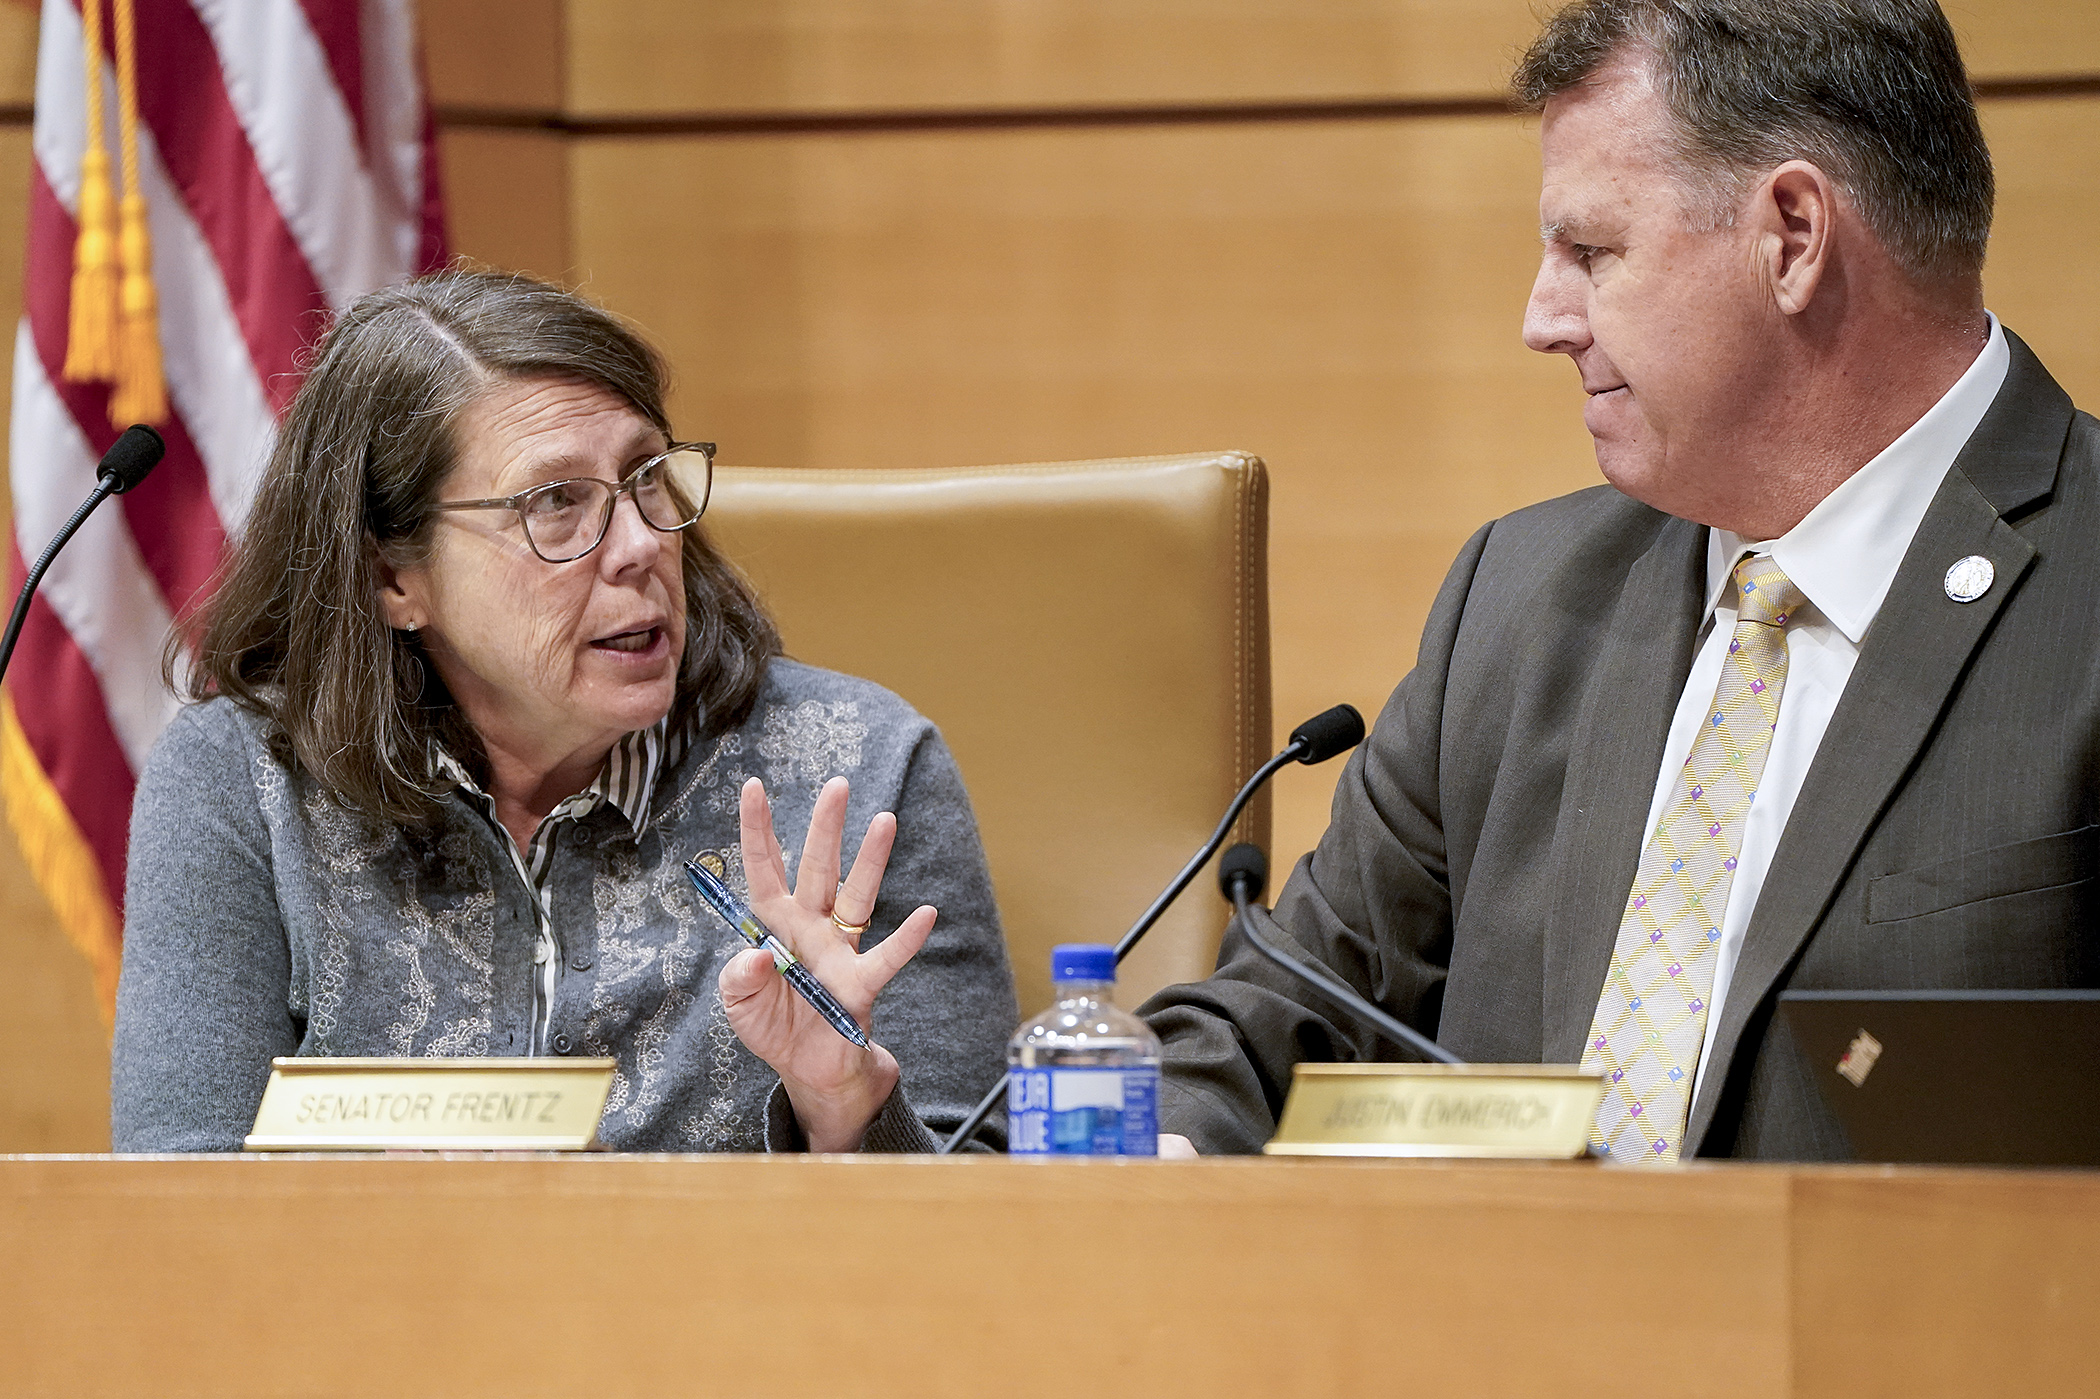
<point x="564" y="520"/>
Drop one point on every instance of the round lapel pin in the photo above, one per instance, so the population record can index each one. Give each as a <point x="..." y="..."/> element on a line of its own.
<point x="1970" y="578"/>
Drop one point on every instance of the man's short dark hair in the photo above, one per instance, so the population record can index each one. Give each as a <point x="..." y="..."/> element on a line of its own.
<point x="1873" y="92"/>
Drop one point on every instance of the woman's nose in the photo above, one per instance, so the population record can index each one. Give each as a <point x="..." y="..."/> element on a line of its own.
<point x="629" y="539"/>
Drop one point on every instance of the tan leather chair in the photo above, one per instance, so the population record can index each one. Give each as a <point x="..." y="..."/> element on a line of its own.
<point x="1092" y="639"/>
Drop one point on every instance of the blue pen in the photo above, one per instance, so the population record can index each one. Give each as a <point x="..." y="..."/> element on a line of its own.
<point x="732" y="911"/>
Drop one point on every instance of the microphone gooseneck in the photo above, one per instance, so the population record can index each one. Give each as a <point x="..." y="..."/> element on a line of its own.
<point x="123" y="466"/>
<point x="1241" y="875"/>
<point x="1319" y="738"/>
<point x="1314" y="741"/>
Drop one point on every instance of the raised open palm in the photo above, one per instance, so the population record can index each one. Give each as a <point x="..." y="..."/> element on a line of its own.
<point x="836" y="1088"/>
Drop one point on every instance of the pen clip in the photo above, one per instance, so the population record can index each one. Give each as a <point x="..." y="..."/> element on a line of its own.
<point x="715" y="894"/>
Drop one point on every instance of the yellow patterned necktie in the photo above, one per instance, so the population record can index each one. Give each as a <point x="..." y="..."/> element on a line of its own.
<point x="1651" y="1018"/>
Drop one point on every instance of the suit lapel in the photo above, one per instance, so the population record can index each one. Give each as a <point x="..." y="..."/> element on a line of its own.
<point x="1915" y="654"/>
<point x="1613" y="758"/>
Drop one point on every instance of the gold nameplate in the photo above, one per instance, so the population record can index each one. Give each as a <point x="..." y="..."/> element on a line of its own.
<point x="1508" y="1110"/>
<point x="316" y="1104"/>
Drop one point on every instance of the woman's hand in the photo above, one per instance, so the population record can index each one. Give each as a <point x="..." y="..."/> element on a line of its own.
<point x="835" y="1088"/>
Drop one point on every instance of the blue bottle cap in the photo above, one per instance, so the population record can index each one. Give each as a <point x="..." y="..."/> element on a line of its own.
<point x="1082" y="961"/>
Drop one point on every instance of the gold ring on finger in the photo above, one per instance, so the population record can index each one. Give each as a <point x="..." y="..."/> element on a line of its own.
<point x="852" y="930"/>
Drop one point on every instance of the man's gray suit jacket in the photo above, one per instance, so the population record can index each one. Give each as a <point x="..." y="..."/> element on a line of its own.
<point x="1484" y="838"/>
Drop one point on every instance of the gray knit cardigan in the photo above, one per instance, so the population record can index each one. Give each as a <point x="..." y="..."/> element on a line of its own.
<point x="262" y="918"/>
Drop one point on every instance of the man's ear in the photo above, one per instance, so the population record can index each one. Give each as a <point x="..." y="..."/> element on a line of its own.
<point x="1795" y="210"/>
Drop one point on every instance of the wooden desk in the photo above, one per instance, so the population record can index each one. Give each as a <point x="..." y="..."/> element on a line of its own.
<point x="589" y="1276"/>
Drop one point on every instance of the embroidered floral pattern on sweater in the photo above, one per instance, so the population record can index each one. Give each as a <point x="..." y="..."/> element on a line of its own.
<point x="419" y="997"/>
<point x="346" y="848"/>
<point x="467" y="931"/>
<point x="715" y="783"/>
<point x="718" y="1128"/>
<point x="812" y="742"/>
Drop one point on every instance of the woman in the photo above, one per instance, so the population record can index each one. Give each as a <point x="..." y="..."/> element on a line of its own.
<point x="473" y="688"/>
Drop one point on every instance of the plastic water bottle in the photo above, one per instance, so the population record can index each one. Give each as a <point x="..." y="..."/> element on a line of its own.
<point x="1082" y="1078"/>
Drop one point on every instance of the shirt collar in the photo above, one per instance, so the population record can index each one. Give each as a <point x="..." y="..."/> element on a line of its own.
<point x="1844" y="554"/>
<point x="628" y="779"/>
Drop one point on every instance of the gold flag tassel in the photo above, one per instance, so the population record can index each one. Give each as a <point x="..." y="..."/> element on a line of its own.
<point x="91" y="335"/>
<point x="141" y="392"/>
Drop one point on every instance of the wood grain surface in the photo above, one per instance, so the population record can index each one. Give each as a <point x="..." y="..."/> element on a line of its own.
<point x="660" y="56"/>
<point x="872" y="1277"/>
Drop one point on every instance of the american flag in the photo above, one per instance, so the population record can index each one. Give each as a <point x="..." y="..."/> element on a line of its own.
<point x="285" y="152"/>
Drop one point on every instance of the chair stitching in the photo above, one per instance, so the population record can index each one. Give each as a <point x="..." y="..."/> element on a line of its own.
<point x="1230" y="459"/>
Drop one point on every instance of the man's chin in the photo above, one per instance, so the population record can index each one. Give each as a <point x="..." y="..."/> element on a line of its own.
<point x="1634" y="473"/>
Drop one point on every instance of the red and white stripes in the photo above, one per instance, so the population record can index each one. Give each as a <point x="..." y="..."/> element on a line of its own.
<point x="288" y="165"/>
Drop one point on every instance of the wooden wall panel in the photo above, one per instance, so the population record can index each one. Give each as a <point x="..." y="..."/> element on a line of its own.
<point x="54" y="1047"/>
<point x="1342" y="298"/>
<point x="507" y="198"/>
<point x="495" y="55"/>
<point x="2041" y="277"/>
<point x="818" y="55"/>
<point x="658" y="56"/>
<point x="18" y="26"/>
<point x="2026" y="38"/>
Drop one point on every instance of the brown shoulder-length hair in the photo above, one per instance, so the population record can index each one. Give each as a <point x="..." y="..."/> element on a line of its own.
<point x="295" y="633"/>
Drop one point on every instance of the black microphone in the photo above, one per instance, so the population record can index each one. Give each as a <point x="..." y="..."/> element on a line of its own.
<point x="1315" y="741"/>
<point x="123" y="466"/>
<point x="1324" y="735"/>
<point x="1242" y="875"/>
<point x="131" y="456"/>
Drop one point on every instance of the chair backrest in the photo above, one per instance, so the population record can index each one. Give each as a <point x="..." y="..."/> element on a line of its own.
<point x="1092" y="639"/>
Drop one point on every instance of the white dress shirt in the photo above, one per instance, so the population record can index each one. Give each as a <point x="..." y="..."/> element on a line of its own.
<point x="1842" y="556"/>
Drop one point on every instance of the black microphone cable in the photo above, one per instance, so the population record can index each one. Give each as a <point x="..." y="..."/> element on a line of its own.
<point x="1242" y="875"/>
<point x="1319" y="738"/>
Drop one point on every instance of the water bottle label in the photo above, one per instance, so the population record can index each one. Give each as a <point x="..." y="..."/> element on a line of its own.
<point x="1082" y="1111"/>
<point x="1141" y="1112"/>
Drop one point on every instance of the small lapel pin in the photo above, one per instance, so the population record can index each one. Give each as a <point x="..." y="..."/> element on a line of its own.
<point x="1970" y="578"/>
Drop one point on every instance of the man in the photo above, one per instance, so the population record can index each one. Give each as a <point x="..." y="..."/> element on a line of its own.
<point x="1806" y="697"/>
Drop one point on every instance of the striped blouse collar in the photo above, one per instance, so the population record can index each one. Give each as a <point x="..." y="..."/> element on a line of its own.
<point x="628" y="779"/>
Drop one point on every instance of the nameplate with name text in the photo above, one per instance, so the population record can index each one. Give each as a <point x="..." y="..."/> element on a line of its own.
<point x="1488" y="1110"/>
<point x="316" y="1104"/>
